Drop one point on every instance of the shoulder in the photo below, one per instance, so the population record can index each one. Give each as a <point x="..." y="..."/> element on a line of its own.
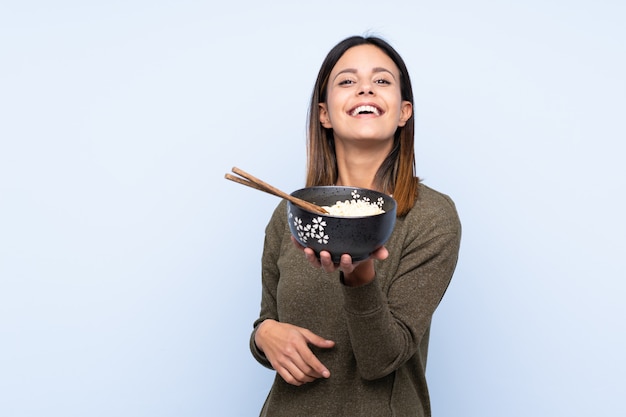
<point x="428" y="197"/>
<point x="434" y="210"/>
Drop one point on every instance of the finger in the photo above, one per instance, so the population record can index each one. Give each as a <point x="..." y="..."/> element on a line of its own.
<point x="289" y="378"/>
<point x="310" y="359"/>
<point x="310" y="256"/>
<point x="345" y="263"/>
<point x="293" y="376"/>
<point x="296" y="370"/>
<point x="326" y="261"/>
<point x="380" y="254"/>
<point x="312" y="366"/>
<point x="317" y="340"/>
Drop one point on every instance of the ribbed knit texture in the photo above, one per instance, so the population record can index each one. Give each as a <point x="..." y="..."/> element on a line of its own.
<point x="381" y="329"/>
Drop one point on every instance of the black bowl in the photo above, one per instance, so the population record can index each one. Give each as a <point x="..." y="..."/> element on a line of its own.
<point x="356" y="236"/>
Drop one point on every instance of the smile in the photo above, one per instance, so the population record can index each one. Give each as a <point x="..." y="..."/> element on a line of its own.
<point x="367" y="109"/>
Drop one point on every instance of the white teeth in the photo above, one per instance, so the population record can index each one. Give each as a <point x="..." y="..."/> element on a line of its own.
<point x="368" y="109"/>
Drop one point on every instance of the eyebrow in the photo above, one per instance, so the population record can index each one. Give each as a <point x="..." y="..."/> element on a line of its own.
<point x="375" y="70"/>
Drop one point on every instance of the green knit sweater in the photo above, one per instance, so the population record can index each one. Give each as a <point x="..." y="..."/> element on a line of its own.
<point x="381" y="329"/>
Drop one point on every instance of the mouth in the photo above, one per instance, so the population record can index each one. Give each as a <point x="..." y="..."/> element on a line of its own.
<point x="365" y="109"/>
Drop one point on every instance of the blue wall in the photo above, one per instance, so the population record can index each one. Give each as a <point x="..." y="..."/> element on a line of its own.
<point x="129" y="268"/>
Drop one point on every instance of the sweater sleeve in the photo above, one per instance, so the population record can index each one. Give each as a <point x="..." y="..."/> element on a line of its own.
<point x="388" y="317"/>
<point x="274" y="235"/>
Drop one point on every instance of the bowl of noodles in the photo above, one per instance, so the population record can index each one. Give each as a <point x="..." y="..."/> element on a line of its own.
<point x="358" y="222"/>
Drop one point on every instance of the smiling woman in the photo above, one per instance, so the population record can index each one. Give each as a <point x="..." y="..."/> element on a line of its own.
<point x="349" y="337"/>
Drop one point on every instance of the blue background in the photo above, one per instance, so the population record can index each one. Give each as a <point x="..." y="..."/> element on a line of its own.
<point x="130" y="269"/>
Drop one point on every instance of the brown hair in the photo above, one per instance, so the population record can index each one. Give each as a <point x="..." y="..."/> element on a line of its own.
<point x="396" y="174"/>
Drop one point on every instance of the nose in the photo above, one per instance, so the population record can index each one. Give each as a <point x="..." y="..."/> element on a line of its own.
<point x="366" y="88"/>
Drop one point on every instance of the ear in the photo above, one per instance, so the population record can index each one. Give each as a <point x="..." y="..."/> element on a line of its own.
<point x="324" y="117"/>
<point x="406" y="110"/>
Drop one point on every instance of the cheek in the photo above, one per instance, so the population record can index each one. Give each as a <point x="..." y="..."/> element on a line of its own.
<point x="336" y="99"/>
<point x="334" y="108"/>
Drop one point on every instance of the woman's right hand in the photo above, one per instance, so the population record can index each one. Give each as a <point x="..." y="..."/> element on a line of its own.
<point x="355" y="274"/>
<point x="287" y="348"/>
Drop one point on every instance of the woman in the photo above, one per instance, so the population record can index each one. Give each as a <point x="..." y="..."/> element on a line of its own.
<point x="350" y="339"/>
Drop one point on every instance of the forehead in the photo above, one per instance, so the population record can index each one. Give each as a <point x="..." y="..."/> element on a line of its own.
<point x="364" y="58"/>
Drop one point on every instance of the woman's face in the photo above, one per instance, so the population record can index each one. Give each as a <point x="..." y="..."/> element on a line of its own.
<point x="363" y="96"/>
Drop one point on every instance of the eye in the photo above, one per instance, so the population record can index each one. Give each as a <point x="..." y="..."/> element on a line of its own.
<point x="382" y="81"/>
<point x="346" y="81"/>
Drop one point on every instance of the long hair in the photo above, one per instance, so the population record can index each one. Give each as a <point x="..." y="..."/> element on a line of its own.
<point x="396" y="175"/>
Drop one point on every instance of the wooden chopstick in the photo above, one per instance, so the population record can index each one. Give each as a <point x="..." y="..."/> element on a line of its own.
<point x="251" y="184"/>
<point x="244" y="182"/>
<point x="256" y="183"/>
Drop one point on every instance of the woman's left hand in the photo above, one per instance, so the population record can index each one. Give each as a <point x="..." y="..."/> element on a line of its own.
<point x="355" y="274"/>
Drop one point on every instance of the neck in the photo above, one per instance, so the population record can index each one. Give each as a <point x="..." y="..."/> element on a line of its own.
<point x="357" y="166"/>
